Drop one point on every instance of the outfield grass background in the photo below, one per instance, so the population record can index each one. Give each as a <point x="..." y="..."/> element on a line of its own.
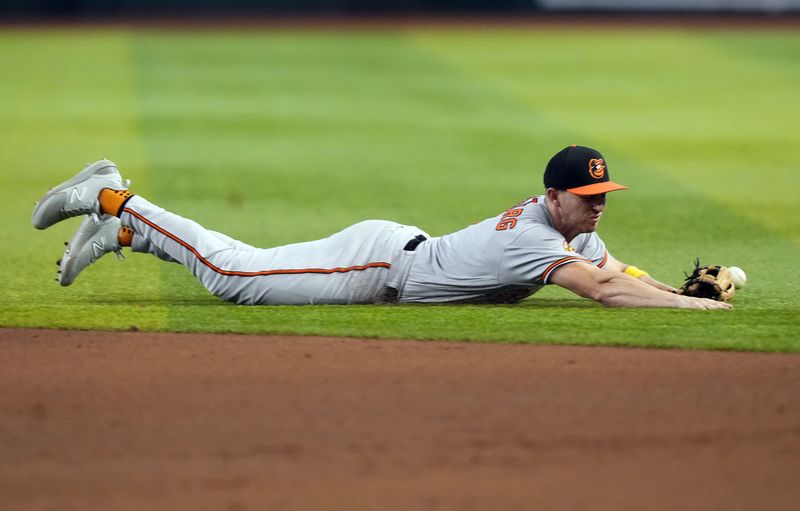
<point x="276" y="136"/>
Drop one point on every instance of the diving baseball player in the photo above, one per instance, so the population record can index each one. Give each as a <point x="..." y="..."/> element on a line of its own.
<point x="546" y="239"/>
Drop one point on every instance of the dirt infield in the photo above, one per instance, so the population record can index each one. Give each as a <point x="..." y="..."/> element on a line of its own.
<point x="94" y="420"/>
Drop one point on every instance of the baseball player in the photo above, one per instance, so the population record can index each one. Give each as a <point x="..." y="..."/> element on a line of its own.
<point x="546" y="239"/>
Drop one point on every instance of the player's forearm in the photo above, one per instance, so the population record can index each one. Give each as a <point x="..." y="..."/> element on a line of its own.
<point x="647" y="279"/>
<point x="621" y="290"/>
<point x="616" y="266"/>
<point x="616" y="289"/>
<point x="625" y="291"/>
<point x="641" y="275"/>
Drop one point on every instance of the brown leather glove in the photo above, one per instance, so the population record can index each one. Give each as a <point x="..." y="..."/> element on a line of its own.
<point x="715" y="282"/>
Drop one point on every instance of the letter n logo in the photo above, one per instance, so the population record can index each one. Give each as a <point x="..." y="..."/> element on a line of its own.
<point x="98" y="248"/>
<point x="76" y="194"/>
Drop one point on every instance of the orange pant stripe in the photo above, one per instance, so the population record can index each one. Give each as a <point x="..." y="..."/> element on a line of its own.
<point x="255" y="273"/>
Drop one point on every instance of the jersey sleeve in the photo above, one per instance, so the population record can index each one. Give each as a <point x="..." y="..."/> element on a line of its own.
<point x="533" y="256"/>
<point x="590" y="246"/>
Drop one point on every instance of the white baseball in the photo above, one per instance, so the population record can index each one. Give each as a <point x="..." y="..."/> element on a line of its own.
<point x="739" y="277"/>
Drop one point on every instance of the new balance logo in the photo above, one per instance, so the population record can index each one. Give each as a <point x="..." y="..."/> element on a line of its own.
<point x="98" y="248"/>
<point x="76" y="194"/>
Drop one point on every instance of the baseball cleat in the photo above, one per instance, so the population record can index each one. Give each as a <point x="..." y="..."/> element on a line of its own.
<point x="90" y="242"/>
<point x="78" y="195"/>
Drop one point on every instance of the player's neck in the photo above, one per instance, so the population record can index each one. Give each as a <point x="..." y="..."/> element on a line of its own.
<point x="558" y="222"/>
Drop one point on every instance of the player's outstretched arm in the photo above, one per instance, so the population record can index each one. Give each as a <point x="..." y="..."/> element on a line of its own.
<point x="616" y="265"/>
<point x="616" y="289"/>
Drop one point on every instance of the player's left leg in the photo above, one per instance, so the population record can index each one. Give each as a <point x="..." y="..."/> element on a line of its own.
<point x="143" y="245"/>
<point x="96" y="238"/>
<point x="93" y="239"/>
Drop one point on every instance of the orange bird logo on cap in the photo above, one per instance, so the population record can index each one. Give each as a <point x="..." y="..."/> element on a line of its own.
<point x="597" y="168"/>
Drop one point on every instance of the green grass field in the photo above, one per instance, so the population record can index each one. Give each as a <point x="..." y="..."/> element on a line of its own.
<point x="276" y="136"/>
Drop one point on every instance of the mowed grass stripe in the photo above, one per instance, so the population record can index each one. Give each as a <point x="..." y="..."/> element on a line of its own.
<point x="69" y="99"/>
<point x="766" y="71"/>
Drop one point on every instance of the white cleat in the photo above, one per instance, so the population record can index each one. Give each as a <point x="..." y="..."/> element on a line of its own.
<point x="78" y="195"/>
<point x="89" y="243"/>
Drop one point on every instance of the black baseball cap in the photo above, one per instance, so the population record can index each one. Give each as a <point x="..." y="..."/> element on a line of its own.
<point x="580" y="170"/>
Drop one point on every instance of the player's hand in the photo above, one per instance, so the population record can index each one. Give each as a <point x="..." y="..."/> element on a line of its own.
<point x="704" y="303"/>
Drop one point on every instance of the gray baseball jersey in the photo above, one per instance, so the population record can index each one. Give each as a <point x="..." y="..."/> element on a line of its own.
<point x="500" y="260"/>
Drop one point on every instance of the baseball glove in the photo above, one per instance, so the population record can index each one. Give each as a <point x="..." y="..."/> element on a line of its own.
<point x="715" y="282"/>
